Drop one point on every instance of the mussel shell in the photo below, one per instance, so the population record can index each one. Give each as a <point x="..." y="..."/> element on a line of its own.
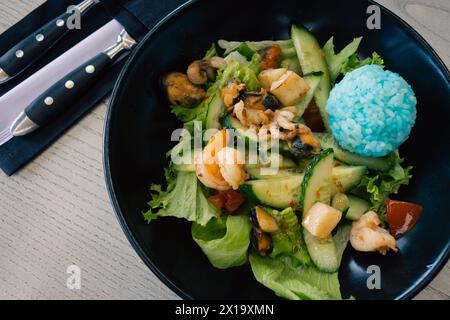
<point x="262" y="220"/>
<point x="301" y="150"/>
<point x="261" y="241"/>
<point x="271" y="102"/>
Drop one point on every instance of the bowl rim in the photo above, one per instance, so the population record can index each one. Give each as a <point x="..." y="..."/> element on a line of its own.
<point x="410" y="293"/>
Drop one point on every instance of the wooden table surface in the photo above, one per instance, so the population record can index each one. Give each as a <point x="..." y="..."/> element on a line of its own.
<point x="56" y="211"/>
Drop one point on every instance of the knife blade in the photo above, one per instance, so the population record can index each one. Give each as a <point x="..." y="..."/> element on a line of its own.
<point x="59" y="96"/>
<point x="30" y="49"/>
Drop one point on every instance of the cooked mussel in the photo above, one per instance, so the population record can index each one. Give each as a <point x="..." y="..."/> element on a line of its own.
<point x="261" y="242"/>
<point x="271" y="102"/>
<point x="180" y="91"/>
<point x="270" y="57"/>
<point x="262" y="220"/>
<point x="200" y="71"/>
<point x="304" y="146"/>
<point x="258" y="100"/>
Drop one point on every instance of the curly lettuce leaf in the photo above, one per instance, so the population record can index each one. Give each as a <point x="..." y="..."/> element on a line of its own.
<point x="294" y="282"/>
<point x="224" y="240"/>
<point x="377" y="188"/>
<point x="186" y="114"/>
<point x="183" y="198"/>
<point x="235" y="70"/>
<point x="354" y="62"/>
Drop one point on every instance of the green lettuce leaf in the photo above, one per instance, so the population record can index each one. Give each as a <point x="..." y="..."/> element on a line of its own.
<point x="245" y="50"/>
<point x="377" y="188"/>
<point x="246" y="74"/>
<point x="224" y="240"/>
<point x="183" y="198"/>
<point x="294" y="282"/>
<point x="186" y="114"/>
<point x="354" y="62"/>
<point x="287" y="241"/>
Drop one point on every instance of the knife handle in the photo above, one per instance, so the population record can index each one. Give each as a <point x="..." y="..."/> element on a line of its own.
<point x="27" y="51"/>
<point x="31" y="48"/>
<point x="67" y="90"/>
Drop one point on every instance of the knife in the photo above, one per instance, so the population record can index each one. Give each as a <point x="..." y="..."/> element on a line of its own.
<point x="27" y="51"/>
<point x="60" y="95"/>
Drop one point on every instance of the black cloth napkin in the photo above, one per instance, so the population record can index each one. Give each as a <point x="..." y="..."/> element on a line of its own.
<point x="137" y="16"/>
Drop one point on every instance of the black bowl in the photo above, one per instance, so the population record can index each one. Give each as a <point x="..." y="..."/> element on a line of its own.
<point x="139" y="125"/>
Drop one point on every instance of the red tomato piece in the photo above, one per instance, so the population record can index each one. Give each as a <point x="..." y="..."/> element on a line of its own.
<point x="234" y="201"/>
<point x="402" y="216"/>
<point x="218" y="200"/>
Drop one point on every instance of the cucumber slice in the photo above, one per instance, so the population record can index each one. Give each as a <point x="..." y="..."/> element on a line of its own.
<point x="256" y="173"/>
<point x="240" y="130"/>
<point x="216" y="109"/>
<point x="278" y="193"/>
<point x="347" y="177"/>
<point x="323" y="252"/>
<point x="357" y="207"/>
<point x="283" y="162"/>
<point x="318" y="181"/>
<point x="313" y="80"/>
<point x="312" y="59"/>
<point x="380" y="164"/>
<point x="327" y="254"/>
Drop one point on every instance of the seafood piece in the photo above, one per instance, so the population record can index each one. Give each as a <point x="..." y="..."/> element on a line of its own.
<point x="180" y="91"/>
<point x="262" y="220"/>
<point x="231" y="92"/>
<point x="289" y="88"/>
<point x="261" y="241"/>
<point x="206" y="168"/>
<point x="201" y="71"/>
<point x="367" y="236"/>
<point x="269" y="76"/>
<point x="271" y="57"/>
<point x="232" y="166"/>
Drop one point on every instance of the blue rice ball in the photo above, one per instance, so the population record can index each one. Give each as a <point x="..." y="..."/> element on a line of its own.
<point x="372" y="111"/>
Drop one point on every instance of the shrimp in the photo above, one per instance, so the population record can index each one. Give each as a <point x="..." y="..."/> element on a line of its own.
<point x="206" y="168"/>
<point x="221" y="167"/>
<point x="231" y="163"/>
<point x="367" y="236"/>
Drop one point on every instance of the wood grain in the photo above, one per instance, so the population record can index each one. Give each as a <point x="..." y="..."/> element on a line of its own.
<point x="56" y="211"/>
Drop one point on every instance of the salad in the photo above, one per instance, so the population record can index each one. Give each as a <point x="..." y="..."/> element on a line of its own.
<point x="288" y="155"/>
